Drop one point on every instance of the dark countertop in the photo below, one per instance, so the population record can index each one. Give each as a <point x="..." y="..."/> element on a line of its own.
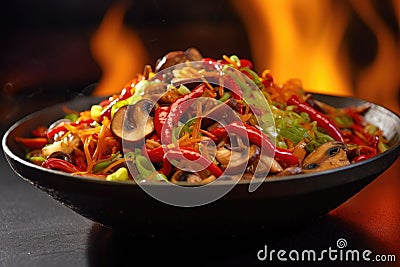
<point x="35" y="230"/>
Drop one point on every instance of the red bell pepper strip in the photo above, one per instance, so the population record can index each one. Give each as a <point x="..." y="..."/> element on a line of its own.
<point x="257" y="137"/>
<point x="176" y="105"/>
<point x="188" y="153"/>
<point x="51" y="133"/>
<point x="34" y="143"/>
<point x="61" y="127"/>
<point x="60" y="164"/>
<point x="40" y="131"/>
<point x="155" y="154"/>
<point x="317" y="116"/>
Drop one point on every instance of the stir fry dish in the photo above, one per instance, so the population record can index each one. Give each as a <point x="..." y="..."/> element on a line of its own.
<point x="190" y="125"/>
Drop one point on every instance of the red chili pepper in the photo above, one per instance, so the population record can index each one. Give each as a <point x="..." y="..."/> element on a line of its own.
<point x="354" y="139"/>
<point x="176" y="109"/>
<point x="195" y="93"/>
<point x="365" y="152"/>
<point x="359" y="128"/>
<point x="368" y="150"/>
<point x="188" y="153"/>
<point x="233" y="87"/>
<point x="160" y="155"/>
<point x="257" y="137"/>
<point x="54" y="131"/>
<point x="360" y="158"/>
<point x="34" y="143"/>
<point x="317" y="116"/>
<point x="60" y="164"/>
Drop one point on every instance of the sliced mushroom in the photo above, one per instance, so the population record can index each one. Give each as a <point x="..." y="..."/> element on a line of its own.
<point x="176" y="57"/>
<point x="261" y="164"/>
<point x="327" y="156"/>
<point x="191" y="177"/>
<point x="223" y="155"/>
<point x="133" y="123"/>
<point x="290" y="171"/>
<point x="233" y="157"/>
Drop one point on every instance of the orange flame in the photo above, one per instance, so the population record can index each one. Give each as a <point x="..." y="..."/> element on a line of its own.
<point x="304" y="39"/>
<point x="118" y="50"/>
<point x="299" y="39"/>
